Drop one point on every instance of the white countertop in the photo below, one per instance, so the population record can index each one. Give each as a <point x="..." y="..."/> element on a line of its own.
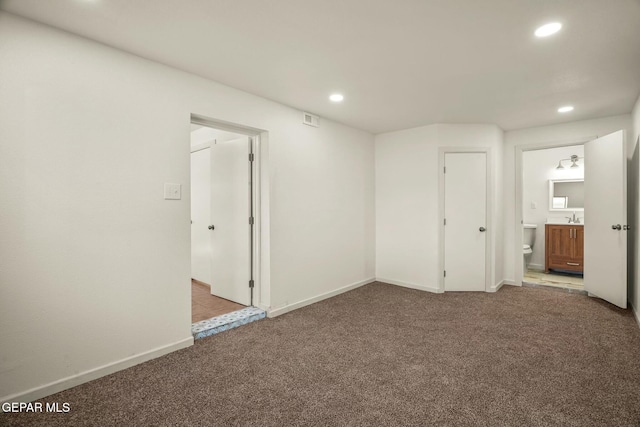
<point x="562" y="223"/>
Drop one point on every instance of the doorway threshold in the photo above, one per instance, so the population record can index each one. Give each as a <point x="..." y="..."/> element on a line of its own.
<point x="558" y="287"/>
<point x="225" y="322"/>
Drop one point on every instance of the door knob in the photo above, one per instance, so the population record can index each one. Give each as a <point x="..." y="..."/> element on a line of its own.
<point x="616" y="227"/>
<point x="211" y="227"/>
<point x="482" y="229"/>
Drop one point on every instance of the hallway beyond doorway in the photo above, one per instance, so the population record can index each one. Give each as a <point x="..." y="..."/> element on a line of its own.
<point x="211" y="314"/>
<point x="205" y="306"/>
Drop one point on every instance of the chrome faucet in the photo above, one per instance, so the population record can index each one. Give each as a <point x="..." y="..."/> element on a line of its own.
<point x="574" y="219"/>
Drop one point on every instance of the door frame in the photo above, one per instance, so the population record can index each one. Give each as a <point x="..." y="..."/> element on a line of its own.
<point x="260" y="254"/>
<point x="489" y="211"/>
<point x="519" y="183"/>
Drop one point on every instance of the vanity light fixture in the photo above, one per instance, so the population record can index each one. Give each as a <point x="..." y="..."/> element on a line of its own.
<point x="574" y="162"/>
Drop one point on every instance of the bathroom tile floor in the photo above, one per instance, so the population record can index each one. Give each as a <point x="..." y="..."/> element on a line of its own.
<point x="205" y="306"/>
<point x="567" y="281"/>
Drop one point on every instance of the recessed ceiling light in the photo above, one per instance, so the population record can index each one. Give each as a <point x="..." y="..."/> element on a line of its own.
<point x="565" y="109"/>
<point x="336" y="97"/>
<point x="548" y="29"/>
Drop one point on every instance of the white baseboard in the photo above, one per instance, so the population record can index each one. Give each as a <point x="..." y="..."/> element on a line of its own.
<point x="497" y="286"/>
<point x="92" y="374"/>
<point x="509" y="282"/>
<point x="434" y="290"/>
<point x="290" y="307"/>
<point x="536" y="267"/>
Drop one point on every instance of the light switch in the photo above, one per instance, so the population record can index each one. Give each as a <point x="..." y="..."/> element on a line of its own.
<point x="534" y="205"/>
<point x="172" y="191"/>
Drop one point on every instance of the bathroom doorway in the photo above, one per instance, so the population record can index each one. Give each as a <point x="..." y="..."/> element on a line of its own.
<point x="553" y="217"/>
<point x="598" y="247"/>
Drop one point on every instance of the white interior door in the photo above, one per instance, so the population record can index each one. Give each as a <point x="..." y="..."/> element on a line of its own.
<point x="230" y="237"/>
<point x="201" y="215"/>
<point x="605" y="213"/>
<point x="465" y="211"/>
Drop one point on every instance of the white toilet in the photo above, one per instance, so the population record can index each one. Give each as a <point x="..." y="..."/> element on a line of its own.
<point x="528" y="239"/>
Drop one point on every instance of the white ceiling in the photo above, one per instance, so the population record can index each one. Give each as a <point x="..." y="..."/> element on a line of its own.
<point x="399" y="63"/>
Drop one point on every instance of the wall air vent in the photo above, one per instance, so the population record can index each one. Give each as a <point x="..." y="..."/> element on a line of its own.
<point x="310" y="119"/>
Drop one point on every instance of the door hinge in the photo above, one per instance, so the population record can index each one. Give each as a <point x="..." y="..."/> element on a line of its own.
<point x="251" y="283"/>
<point x="251" y="157"/>
<point x="251" y="220"/>
<point x="445" y="170"/>
<point x="445" y="221"/>
<point x="445" y="273"/>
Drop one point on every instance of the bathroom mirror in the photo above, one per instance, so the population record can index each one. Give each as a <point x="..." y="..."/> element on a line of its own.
<point x="566" y="194"/>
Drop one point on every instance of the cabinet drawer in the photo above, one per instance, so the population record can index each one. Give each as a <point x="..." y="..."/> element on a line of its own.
<point x="565" y="264"/>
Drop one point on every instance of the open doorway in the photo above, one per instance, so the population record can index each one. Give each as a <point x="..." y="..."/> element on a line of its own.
<point x="603" y="236"/>
<point x="224" y="226"/>
<point x="553" y="217"/>
<point x="220" y="226"/>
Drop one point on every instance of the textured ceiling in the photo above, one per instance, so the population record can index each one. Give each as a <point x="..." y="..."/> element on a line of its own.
<point x="400" y="64"/>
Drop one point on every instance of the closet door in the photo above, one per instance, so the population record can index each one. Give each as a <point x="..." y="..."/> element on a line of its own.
<point x="465" y="211"/>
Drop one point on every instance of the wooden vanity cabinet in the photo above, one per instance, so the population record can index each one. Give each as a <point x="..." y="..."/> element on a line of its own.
<point x="564" y="247"/>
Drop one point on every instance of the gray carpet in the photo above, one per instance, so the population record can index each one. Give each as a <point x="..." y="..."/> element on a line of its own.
<point x="384" y="355"/>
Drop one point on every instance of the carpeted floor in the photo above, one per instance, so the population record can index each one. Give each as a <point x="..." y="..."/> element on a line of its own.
<point x="384" y="355"/>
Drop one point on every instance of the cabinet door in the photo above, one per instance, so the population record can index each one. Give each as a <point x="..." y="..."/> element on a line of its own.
<point x="578" y="245"/>
<point x="559" y="242"/>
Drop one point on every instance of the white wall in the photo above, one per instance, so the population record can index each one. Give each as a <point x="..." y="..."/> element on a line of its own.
<point x="95" y="264"/>
<point x="541" y="136"/>
<point x="538" y="167"/>
<point x="407" y="220"/>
